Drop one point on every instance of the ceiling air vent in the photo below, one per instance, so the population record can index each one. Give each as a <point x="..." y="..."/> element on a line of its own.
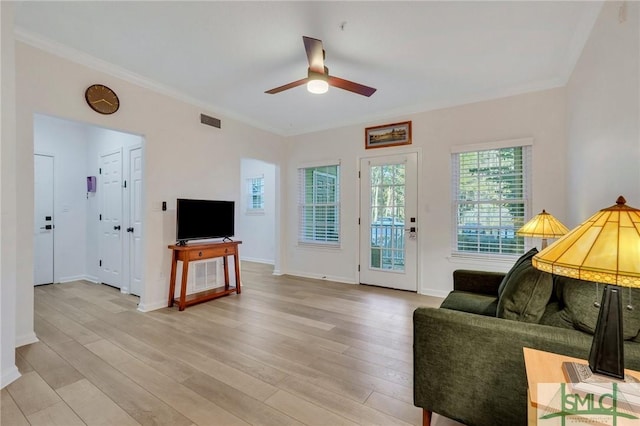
<point x="210" y="121"/>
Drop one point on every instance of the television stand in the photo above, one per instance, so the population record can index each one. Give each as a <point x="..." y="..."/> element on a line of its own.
<point x="189" y="252"/>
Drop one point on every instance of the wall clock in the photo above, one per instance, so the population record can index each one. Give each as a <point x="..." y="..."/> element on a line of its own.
<point x="102" y="99"/>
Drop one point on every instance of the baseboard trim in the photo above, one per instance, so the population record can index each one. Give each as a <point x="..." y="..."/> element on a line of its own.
<point x="434" y="293"/>
<point x="71" y="279"/>
<point x="277" y="272"/>
<point x="320" y="277"/>
<point x="9" y="376"/>
<point x="154" y="306"/>
<point x="26" y="339"/>
<point x="256" y="260"/>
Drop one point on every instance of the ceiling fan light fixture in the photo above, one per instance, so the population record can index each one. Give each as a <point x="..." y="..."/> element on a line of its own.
<point x="317" y="86"/>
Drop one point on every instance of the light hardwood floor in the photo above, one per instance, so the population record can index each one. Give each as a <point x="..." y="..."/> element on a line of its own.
<point x="287" y="351"/>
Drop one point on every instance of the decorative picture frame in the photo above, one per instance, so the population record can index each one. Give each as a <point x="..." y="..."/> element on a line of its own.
<point x="387" y="135"/>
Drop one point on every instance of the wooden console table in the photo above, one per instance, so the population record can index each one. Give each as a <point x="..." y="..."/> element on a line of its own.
<point x="189" y="252"/>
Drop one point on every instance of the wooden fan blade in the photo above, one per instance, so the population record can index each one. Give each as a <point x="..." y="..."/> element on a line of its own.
<point x="351" y="86"/>
<point x="287" y="86"/>
<point x="315" y="54"/>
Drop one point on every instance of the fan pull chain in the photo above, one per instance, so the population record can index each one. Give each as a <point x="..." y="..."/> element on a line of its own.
<point x="630" y="305"/>
<point x="596" y="303"/>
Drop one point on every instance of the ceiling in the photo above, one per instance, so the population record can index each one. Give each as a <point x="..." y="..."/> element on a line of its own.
<point x="222" y="56"/>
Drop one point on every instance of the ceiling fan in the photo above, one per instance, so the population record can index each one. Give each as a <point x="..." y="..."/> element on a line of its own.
<point x="318" y="79"/>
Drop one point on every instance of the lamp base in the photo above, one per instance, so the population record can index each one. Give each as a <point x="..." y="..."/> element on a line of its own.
<point x="607" y="352"/>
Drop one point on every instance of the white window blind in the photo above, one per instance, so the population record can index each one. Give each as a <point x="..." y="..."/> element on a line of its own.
<point x="319" y="205"/>
<point x="255" y="191"/>
<point x="491" y="191"/>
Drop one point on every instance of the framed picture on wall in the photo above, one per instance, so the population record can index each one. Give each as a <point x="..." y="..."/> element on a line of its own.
<point x="388" y="135"/>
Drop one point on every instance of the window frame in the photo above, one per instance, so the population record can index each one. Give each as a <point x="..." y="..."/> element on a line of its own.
<point x="526" y="177"/>
<point x="311" y="201"/>
<point x="251" y="210"/>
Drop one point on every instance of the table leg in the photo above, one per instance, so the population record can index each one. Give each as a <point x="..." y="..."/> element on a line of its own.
<point x="172" y="281"/>
<point x="236" y="260"/>
<point x="225" y="262"/>
<point x="183" y="289"/>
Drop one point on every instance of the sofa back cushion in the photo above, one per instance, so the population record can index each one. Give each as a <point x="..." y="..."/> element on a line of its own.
<point x="525" y="258"/>
<point x="577" y="299"/>
<point x="525" y="291"/>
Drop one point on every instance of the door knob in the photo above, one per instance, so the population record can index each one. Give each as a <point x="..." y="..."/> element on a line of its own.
<point x="130" y="229"/>
<point x="116" y="228"/>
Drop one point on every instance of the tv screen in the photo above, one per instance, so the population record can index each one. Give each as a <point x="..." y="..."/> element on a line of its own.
<point x="202" y="219"/>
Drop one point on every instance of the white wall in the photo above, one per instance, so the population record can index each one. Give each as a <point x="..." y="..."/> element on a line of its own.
<point x="603" y="115"/>
<point x="8" y="298"/>
<point x="257" y="231"/>
<point x="183" y="158"/>
<point x="540" y="115"/>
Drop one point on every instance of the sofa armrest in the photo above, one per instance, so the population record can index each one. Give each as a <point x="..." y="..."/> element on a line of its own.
<point x="471" y="367"/>
<point x="477" y="281"/>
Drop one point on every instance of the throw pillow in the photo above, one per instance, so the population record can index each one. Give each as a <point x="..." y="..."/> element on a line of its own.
<point x="579" y="296"/>
<point x="526" y="291"/>
<point x="523" y="259"/>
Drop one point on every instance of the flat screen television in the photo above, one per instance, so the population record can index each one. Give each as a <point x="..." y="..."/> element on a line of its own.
<point x="204" y="219"/>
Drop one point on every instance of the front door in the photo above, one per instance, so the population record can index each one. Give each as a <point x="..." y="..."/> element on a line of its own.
<point x="111" y="219"/>
<point x="43" y="220"/>
<point x="388" y="221"/>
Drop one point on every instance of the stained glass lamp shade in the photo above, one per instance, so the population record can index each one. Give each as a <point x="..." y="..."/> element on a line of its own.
<point x="603" y="249"/>
<point x="543" y="225"/>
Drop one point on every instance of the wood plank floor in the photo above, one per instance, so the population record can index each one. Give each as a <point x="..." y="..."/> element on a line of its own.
<point x="287" y="351"/>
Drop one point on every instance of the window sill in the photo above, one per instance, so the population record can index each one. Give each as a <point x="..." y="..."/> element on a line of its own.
<point x="255" y="212"/>
<point x="320" y="246"/>
<point x="478" y="259"/>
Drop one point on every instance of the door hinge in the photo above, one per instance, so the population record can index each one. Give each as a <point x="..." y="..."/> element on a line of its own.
<point x="100" y="171"/>
<point x="125" y="183"/>
<point x="100" y="216"/>
<point x="358" y="221"/>
<point x="359" y="176"/>
<point x="358" y="268"/>
<point x="100" y="262"/>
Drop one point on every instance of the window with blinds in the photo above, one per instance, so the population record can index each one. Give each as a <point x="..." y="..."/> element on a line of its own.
<point x="319" y="205"/>
<point x="490" y="199"/>
<point x="255" y="191"/>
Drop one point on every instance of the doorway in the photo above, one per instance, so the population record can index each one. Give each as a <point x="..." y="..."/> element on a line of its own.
<point x="81" y="152"/>
<point x="389" y="222"/>
<point x="257" y="211"/>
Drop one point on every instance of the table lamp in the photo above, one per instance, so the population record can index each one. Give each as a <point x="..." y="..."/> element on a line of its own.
<point x="543" y="225"/>
<point x="603" y="249"/>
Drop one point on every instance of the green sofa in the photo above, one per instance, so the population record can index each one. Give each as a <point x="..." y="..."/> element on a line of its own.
<point x="468" y="358"/>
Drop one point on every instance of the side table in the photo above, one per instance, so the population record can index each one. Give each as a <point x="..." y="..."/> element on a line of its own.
<point x="546" y="367"/>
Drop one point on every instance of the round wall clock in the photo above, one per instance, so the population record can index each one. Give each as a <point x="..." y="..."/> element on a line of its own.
<point x="102" y="99"/>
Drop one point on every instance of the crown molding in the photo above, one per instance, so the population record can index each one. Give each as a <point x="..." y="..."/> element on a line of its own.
<point x="84" y="59"/>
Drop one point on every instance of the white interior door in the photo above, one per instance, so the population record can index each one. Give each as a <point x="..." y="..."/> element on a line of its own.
<point x="388" y="221"/>
<point x="135" y="221"/>
<point x="43" y="220"/>
<point x="111" y="219"/>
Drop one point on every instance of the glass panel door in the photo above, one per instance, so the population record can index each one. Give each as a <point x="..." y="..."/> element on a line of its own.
<point x="388" y="222"/>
